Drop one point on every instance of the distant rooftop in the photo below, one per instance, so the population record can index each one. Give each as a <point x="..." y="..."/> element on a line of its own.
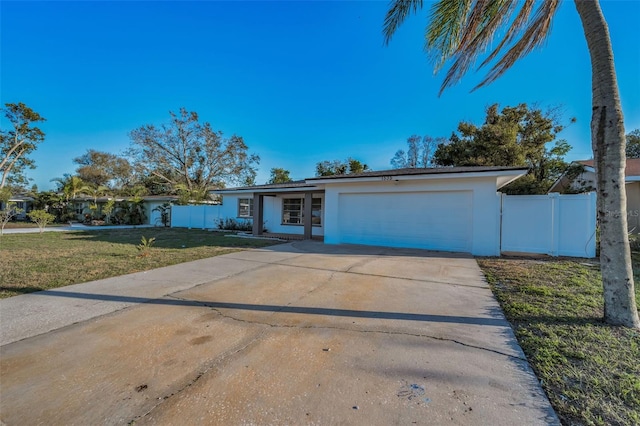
<point x="632" y="169"/>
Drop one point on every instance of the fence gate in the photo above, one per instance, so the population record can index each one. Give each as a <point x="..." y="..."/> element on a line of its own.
<point x="553" y="224"/>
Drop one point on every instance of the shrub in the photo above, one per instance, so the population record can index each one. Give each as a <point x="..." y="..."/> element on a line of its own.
<point x="145" y="246"/>
<point x="8" y="213"/>
<point x="41" y="218"/>
<point x="165" y="214"/>
<point x="234" y="225"/>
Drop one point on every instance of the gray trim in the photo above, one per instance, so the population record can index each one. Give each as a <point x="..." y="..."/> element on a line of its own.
<point x="258" y="216"/>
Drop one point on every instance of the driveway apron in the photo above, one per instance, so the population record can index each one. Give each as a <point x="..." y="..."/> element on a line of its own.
<point x="299" y="333"/>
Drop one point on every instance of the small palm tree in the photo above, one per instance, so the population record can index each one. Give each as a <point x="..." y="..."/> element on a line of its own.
<point x="71" y="186"/>
<point x="98" y="192"/>
<point x="461" y="30"/>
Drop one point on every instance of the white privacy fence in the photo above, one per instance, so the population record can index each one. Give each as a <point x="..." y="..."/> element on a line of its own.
<point x="553" y="224"/>
<point x="201" y="216"/>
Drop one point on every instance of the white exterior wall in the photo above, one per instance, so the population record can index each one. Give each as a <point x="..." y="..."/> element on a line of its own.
<point x="485" y="209"/>
<point x="153" y="217"/>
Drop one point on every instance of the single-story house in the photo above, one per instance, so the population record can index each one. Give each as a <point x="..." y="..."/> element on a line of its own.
<point x="23" y="202"/>
<point x="450" y="209"/>
<point x="583" y="179"/>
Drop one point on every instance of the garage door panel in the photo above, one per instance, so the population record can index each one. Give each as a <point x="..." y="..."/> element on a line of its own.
<point x="430" y="220"/>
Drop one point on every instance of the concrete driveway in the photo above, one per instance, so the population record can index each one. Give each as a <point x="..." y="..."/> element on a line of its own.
<point x="299" y="333"/>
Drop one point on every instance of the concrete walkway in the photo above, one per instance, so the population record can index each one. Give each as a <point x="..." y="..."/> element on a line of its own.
<point x="299" y="333"/>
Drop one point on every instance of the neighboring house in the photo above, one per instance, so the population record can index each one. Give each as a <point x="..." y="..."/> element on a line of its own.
<point x="150" y="203"/>
<point x="23" y="202"/>
<point x="584" y="179"/>
<point x="451" y="209"/>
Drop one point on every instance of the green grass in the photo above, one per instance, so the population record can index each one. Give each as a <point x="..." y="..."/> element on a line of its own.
<point x="20" y="224"/>
<point x="589" y="370"/>
<point x="33" y="262"/>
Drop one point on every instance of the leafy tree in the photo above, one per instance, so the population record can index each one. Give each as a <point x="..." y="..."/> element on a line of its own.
<point x="356" y="166"/>
<point x="419" y="152"/>
<point x="460" y="31"/>
<point x="337" y="167"/>
<point x="41" y="218"/>
<point x="18" y="142"/>
<point x="104" y="169"/>
<point x="279" y="175"/>
<point x="53" y="203"/>
<point x="633" y="144"/>
<point x="5" y="195"/>
<point x="185" y="151"/>
<point x="515" y="136"/>
<point x="187" y="196"/>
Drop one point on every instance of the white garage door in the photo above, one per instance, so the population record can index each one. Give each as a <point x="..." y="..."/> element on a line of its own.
<point x="428" y="220"/>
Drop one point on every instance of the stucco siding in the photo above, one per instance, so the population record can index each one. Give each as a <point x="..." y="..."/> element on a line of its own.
<point x="484" y="209"/>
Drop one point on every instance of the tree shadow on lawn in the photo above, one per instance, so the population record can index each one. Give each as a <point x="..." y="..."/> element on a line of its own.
<point x="19" y="290"/>
<point x="170" y="238"/>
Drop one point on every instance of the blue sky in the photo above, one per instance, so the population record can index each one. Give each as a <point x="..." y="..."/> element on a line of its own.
<point x="301" y="81"/>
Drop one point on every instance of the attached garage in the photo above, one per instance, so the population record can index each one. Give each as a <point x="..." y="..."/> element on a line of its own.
<point x="453" y="209"/>
<point x="434" y="220"/>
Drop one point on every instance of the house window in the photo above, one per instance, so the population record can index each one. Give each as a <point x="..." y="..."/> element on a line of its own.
<point x="20" y="205"/>
<point x="293" y="211"/>
<point x="79" y="208"/>
<point x="245" y="207"/>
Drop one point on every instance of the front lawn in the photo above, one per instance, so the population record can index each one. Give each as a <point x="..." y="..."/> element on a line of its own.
<point x="20" y="224"/>
<point x="589" y="370"/>
<point x="32" y="262"/>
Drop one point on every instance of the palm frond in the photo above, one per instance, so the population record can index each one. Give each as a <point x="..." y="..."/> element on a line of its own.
<point x="485" y="19"/>
<point x="535" y="34"/>
<point x="516" y="27"/>
<point x="397" y="13"/>
<point x="442" y="35"/>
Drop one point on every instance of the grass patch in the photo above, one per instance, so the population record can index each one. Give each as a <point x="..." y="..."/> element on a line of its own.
<point x="33" y="262"/>
<point x="20" y="224"/>
<point x="589" y="370"/>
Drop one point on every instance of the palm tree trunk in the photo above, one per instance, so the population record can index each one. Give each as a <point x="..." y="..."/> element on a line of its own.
<point x="608" y="143"/>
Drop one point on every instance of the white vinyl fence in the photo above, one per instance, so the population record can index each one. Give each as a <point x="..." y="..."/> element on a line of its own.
<point x="553" y="224"/>
<point x="201" y="217"/>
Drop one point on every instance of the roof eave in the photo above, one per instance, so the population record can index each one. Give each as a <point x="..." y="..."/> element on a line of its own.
<point x="511" y="174"/>
<point x="249" y="189"/>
